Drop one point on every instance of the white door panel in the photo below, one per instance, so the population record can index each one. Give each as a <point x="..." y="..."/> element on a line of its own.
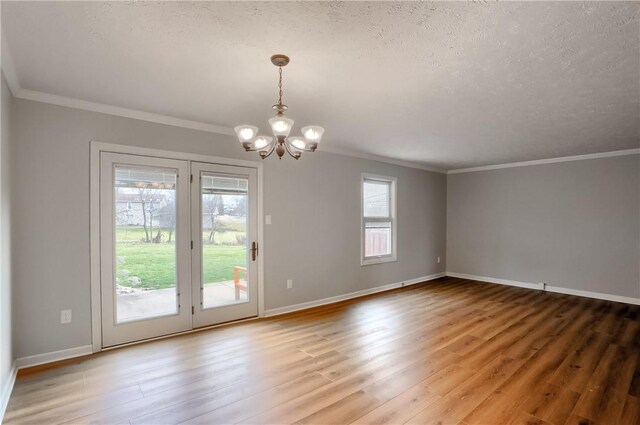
<point x="224" y="231"/>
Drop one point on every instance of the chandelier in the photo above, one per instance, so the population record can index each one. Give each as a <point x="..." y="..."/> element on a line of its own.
<point x="280" y="127"/>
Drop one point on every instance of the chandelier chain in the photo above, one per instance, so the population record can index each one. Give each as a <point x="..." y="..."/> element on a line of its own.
<point x="280" y="86"/>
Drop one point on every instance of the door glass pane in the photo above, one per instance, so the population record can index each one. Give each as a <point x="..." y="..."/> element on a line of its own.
<point x="145" y="249"/>
<point x="224" y="240"/>
<point x="377" y="239"/>
<point x="376" y="196"/>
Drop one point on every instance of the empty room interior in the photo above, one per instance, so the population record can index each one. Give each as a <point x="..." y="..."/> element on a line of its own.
<point x="320" y="213"/>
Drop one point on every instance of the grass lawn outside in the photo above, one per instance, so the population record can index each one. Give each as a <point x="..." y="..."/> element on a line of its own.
<point x="136" y="234"/>
<point x="154" y="263"/>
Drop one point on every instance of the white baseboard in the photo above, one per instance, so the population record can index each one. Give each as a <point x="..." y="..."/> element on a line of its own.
<point x="54" y="356"/>
<point x="338" y="298"/>
<point x="537" y="286"/>
<point x="38" y="359"/>
<point x="556" y="289"/>
<point x="6" y="390"/>
<point x="596" y="295"/>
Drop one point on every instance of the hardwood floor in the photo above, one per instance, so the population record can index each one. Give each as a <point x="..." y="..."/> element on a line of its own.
<point x="450" y="351"/>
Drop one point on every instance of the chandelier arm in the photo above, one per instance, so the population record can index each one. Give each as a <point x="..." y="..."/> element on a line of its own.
<point x="273" y="148"/>
<point x="305" y="149"/>
<point x="286" y="145"/>
<point x="273" y="144"/>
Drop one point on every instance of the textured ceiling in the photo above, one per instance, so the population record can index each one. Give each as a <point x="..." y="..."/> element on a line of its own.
<point x="449" y="85"/>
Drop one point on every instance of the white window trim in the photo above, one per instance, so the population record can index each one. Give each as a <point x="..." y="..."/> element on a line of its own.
<point x="365" y="261"/>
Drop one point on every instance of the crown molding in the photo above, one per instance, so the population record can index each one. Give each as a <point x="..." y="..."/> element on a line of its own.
<point x="70" y="102"/>
<point x="8" y="68"/>
<point x="75" y="103"/>
<point x="38" y="96"/>
<point x="17" y="91"/>
<point x="104" y="108"/>
<point x="372" y="157"/>
<point x="548" y="161"/>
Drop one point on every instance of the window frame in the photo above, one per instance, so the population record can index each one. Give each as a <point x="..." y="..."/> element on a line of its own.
<point x="378" y="259"/>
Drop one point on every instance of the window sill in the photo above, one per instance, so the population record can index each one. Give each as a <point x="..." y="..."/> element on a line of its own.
<point x="378" y="260"/>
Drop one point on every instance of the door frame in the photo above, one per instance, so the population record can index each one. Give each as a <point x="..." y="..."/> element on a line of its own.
<point x="96" y="148"/>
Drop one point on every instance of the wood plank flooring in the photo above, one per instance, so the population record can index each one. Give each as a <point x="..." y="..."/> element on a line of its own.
<point x="450" y="351"/>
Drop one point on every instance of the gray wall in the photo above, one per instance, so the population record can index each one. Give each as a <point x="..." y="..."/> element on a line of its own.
<point x="564" y="224"/>
<point x="6" y="346"/>
<point x="316" y="215"/>
<point x="314" y="203"/>
<point x="570" y="224"/>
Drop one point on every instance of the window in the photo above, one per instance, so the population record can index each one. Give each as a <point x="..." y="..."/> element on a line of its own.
<point x="378" y="219"/>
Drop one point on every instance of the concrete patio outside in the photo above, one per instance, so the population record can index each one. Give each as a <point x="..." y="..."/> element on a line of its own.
<point x="162" y="302"/>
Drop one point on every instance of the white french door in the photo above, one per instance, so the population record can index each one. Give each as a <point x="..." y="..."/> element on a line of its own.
<point x="178" y="244"/>
<point x="145" y="274"/>
<point x="224" y="225"/>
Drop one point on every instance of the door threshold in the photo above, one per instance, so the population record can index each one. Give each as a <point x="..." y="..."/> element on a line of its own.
<point x="176" y="334"/>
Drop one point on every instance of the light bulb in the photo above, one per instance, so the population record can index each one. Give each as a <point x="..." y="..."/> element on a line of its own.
<point x="297" y="142"/>
<point x="281" y="126"/>
<point x="245" y="132"/>
<point x="313" y="133"/>
<point x="261" y="142"/>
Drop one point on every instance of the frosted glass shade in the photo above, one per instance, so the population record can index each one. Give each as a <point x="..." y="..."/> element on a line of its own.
<point x="281" y="126"/>
<point x="245" y="132"/>
<point x="262" y="142"/>
<point x="313" y="133"/>
<point x="298" y="142"/>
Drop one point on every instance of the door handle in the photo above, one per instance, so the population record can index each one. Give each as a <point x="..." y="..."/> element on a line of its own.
<point x="254" y="250"/>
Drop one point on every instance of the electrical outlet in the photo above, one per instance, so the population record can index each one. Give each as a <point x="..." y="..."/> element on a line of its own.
<point x="289" y="283"/>
<point x="438" y="260"/>
<point x="267" y="219"/>
<point x="65" y="316"/>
